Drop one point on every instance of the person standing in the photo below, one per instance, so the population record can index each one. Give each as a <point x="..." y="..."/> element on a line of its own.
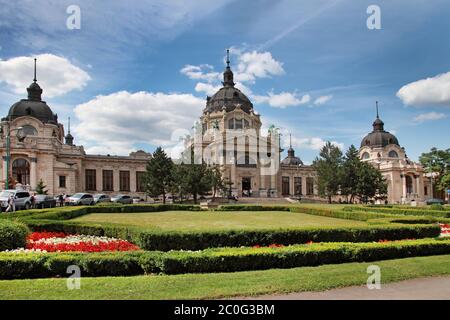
<point x="61" y="200"/>
<point x="11" y="204"/>
<point x="33" y="201"/>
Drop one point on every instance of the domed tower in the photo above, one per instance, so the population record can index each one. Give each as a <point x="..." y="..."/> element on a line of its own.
<point x="33" y="106"/>
<point x="291" y="159"/>
<point x="380" y="143"/>
<point x="229" y="108"/>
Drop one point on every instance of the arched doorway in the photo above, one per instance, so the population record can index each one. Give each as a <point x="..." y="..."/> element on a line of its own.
<point x="409" y="185"/>
<point x="21" y="171"/>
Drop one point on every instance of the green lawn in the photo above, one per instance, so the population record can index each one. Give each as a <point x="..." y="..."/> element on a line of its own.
<point x="204" y="286"/>
<point x="189" y="220"/>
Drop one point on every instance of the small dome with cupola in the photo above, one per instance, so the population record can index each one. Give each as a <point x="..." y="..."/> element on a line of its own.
<point x="33" y="106"/>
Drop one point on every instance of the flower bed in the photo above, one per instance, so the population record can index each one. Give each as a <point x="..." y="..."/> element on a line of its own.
<point x="445" y="229"/>
<point x="61" y="242"/>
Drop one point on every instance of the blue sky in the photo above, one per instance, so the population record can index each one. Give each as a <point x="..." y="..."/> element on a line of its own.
<point x="120" y="77"/>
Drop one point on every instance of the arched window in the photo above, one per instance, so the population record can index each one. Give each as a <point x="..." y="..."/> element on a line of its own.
<point x="365" y="156"/>
<point x="29" y="130"/>
<point x="393" y="154"/>
<point x="21" y="171"/>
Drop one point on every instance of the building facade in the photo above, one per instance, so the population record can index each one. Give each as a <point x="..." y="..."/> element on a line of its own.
<point x="406" y="179"/>
<point x="34" y="147"/>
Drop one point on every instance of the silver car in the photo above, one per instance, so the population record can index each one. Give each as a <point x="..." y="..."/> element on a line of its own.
<point x="121" y="198"/>
<point x="80" y="199"/>
<point x="22" y="199"/>
<point x="100" y="197"/>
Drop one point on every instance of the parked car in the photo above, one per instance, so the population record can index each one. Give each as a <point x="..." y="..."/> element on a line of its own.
<point x="434" y="201"/>
<point x="100" y="197"/>
<point x="42" y="201"/>
<point x="137" y="200"/>
<point x="121" y="198"/>
<point x="22" y="199"/>
<point x="80" y="199"/>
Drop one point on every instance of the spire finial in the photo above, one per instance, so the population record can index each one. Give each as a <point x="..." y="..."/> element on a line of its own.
<point x="35" y="70"/>
<point x="376" y="103"/>
<point x="69" y="126"/>
<point x="228" y="58"/>
<point x="290" y="140"/>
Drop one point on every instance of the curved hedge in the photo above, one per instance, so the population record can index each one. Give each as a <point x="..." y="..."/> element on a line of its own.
<point x="12" y="235"/>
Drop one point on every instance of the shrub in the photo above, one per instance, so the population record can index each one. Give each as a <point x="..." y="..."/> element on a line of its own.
<point x="12" y="235"/>
<point x="240" y="259"/>
<point x="252" y="208"/>
<point x="346" y="213"/>
<point x="35" y="265"/>
<point x="402" y="211"/>
<point x="437" y="206"/>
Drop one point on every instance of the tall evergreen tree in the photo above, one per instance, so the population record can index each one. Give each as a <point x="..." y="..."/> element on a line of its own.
<point x="159" y="175"/>
<point x="40" y="188"/>
<point x="350" y="169"/>
<point x="196" y="180"/>
<point x="329" y="170"/>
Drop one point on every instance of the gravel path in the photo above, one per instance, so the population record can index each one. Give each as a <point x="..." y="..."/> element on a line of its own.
<point x="435" y="288"/>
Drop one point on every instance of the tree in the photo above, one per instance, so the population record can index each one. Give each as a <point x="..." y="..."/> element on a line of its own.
<point x="216" y="180"/>
<point x="159" y="175"/>
<point x="40" y="188"/>
<point x="350" y="169"/>
<point x="196" y="179"/>
<point x="329" y="170"/>
<point x="438" y="161"/>
<point x="370" y="183"/>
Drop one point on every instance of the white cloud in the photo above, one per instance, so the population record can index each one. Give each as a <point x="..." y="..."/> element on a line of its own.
<point x="56" y="75"/>
<point x="430" y="91"/>
<point x="207" y="88"/>
<point x="430" y="116"/>
<point x="113" y="123"/>
<point x="314" y="143"/>
<point x="202" y="72"/>
<point x="283" y="99"/>
<point x="322" y="100"/>
<point x="253" y="65"/>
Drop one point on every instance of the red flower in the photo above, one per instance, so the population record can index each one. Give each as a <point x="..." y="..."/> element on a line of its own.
<point x="35" y="236"/>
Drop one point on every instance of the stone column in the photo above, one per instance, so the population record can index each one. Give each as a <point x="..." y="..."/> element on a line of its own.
<point x="304" y="185"/>
<point x="116" y="180"/>
<point x="417" y="185"/>
<point x="291" y="185"/>
<point x="133" y="181"/>
<point x="33" y="173"/>
<point x="404" y="185"/>
<point x="4" y="177"/>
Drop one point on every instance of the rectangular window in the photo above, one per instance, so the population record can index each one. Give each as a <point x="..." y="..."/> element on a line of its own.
<point x="309" y="186"/>
<point x="108" y="184"/>
<point x="62" y="181"/>
<point x="298" y="186"/>
<point x="285" y="186"/>
<point x="124" y="177"/>
<point x="140" y="181"/>
<point x="425" y="191"/>
<point x="91" y="179"/>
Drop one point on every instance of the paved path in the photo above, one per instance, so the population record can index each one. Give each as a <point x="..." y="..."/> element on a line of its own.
<point x="436" y="288"/>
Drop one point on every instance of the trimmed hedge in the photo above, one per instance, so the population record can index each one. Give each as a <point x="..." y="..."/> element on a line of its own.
<point x="340" y="214"/>
<point x="243" y="259"/>
<point x="402" y="211"/>
<point x="239" y="207"/>
<point x="13" y="235"/>
<point x="38" y="265"/>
